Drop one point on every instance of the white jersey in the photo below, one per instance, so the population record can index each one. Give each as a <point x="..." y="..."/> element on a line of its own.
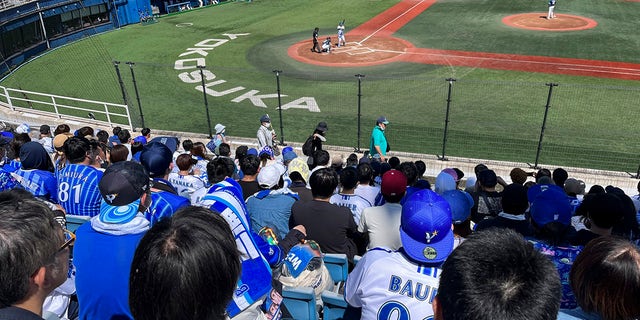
<point x="383" y="225"/>
<point x="354" y="202"/>
<point x="185" y="185"/>
<point x="368" y="192"/>
<point x="386" y="285"/>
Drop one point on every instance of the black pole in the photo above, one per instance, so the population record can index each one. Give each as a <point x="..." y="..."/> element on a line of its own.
<point x="359" y="76"/>
<point x="446" y="121"/>
<point x="544" y="122"/>
<point x="277" y="72"/>
<point x="206" y="103"/>
<point x="135" y="86"/>
<point x="124" y="92"/>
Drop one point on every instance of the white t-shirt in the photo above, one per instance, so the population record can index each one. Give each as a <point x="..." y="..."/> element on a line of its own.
<point x="368" y="192"/>
<point x="385" y="283"/>
<point x="354" y="202"/>
<point x="383" y="225"/>
<point x="185" y="185"/>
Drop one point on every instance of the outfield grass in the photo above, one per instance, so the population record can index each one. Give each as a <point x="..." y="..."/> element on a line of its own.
<point x="494" y="114"/>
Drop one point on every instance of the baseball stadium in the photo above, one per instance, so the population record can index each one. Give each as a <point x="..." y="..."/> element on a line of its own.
<point x="477" y="79"/>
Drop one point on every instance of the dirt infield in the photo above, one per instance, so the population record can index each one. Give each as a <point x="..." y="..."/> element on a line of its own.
<point x="372" y="43"/>
<point x="538" y="21"/>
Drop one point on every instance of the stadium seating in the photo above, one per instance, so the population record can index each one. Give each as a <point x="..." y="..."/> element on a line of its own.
<point x="300" y="301"/>
<point x="338" y="266"/>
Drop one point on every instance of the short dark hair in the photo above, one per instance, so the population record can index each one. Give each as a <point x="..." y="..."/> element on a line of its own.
<point x="394" y="162"/>
<point x="349" y="178"/>
<point x="514" y="199"/>
<point x="27" y="234"/>
<point x="185" y="162"/>
<point x="102" y="136"/>
<point x="241" y="152"/>
<point x="496" y="274"/>
<point x="220" y="168"/>
<point x="321" y="158"/>
<point x="250" y="165"/>
<point x="604" y="210"/>
<point x="323" y="183"/>
<point x="18" y="141"/>
<point x="189" y="263"/>
<point x="85" y="131"/>
<point x="224" y="149"/>
<point x="559" y="176"/>
<point x="145" y="131"/>
<point x="63" y="128"/>
<point x="410" y="171"/>
<point x="605" y="278"/>
<point x="199" y="149"/>
<point x="118" y="153"/>
<point x="76" y="149"/>
<point x="365" y="173"/>
<point x="124" y="136"/>
<point x="116" y="130"/>
<point x="187" y="145"/>
<point x="422" y="168"/>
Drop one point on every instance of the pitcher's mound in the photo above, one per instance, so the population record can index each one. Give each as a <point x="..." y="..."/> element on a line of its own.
<point x="539" y="21"/>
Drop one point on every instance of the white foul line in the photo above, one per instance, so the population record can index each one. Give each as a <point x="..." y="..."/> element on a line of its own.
<point x="390" y="22"/>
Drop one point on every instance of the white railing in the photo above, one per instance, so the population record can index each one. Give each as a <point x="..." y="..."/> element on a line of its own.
<point x="61" y="107"/>
<point x="6" y="4"/>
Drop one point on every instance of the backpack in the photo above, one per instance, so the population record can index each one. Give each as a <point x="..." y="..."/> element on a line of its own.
<point x="307" y="147"/>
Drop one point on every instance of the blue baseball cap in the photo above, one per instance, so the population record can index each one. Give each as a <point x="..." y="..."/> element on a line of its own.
<point x="460" y="203"/>
<point x="299" y="258"/>
<point x="156" y="158"/>
<point x="425" y="227"/>
<point x="252" y="151"/>
<point x="121" y="187"/>
<point x="551" y="205"/>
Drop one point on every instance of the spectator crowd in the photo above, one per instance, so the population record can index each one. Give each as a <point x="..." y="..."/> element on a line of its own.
<point x="186" y="230"/>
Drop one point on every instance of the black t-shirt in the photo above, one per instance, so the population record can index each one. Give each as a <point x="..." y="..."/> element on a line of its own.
<point x="582" y="237"/>
<point x="249" y="188"/>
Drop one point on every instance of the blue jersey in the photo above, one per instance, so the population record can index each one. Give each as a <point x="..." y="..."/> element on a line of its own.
<point x="12" y="166"/>
<point x="255" y="280"/>
<point x="164" y="204"/>
<point x="78" y="191"/>
<point x="7" y="182"/>
<point x="40" y="183"/>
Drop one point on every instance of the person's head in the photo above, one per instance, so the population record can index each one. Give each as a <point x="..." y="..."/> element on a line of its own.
<point x="421" y="167"/>
<point x="288" y="154"/>
<point x="63" y="128"/>
<point x="33" y="250"/>
<point x="487" y="179"/>
<point x="299" y="170"/>
<point x="365" y="173"/>
<point x="316" y="29"/>
<point x="265" y="120"/>
<point x="185" y="162"/>
<point x="495" y="274"/>
<point x="266" y="154"/>
<point x="45" y="130"/>
<point x="103" y="136"/>
<point x="19" y="139"/>
<point x="224" y="150"/>
<point x="250" y="165"/>
<point x="425" y="227"/>
<point x="348" y="178"/>
<point x="146" y="132"/>
<point x="321" y="128"/>
<point x="241" y="151"/>
<point x="605" y="278"/>
<point x="603" y="210"/>
<point x="410" y="171"/>
<point x="394" y="162"/>
<point x="270" y="177"/>
<point x="352" y="160"/>
<point x="323" y="183"/>
<point x="514" y="199"/>
<point x="518" y="176"/>
<point x="382" y="122"/>
<point x="550" y="214"/>
<point x="34" y="156"/>
<point x="479" y="168"/>
<point x="321" y="158"/>
<point x="199" y="150"/>
<point x="116" y="130"/>
<point x="76" y="150"/>
<point x="187" y="145"/>
<point x="189" y="262"/>
<point x="574" y="187"/>
<point x="559" y="176"/>
<point x="219" y="169"/>
<point x="118" y="153"/>
<point x="156" y="159"/>
<point x="125" y="192"/>
<point x="460" y="203"/>
<point x="444" y="182"/>
<point x="124" y="136"/>
<point x="84" y="132"/>
<point x="543" y="173"/>
<point x="393" y="186"/>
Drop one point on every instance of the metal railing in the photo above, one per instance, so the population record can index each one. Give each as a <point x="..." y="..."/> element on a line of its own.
<point x="61" y="107"/>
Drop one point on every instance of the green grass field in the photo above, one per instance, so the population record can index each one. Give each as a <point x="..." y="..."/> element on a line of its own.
<point x="494" y="114"/>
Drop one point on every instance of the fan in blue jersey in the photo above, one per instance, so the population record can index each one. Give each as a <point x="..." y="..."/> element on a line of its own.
<point x="78" y="191"/>
<point x="105" y="246"/>
<point x="12" y="163"/>
<point x="404" y="282"/>
<point x="225" y="197"/>
<point x="165" y="201"/>
<point x="36" y="173"/>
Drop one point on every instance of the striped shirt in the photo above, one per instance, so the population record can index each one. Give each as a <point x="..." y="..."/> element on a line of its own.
<point x="78" y="191"/>
<point x="40" y="183"/>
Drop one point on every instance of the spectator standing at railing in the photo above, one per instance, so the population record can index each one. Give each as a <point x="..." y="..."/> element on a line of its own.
<point x="265" y="134"/>
<point x="378" y="146"/>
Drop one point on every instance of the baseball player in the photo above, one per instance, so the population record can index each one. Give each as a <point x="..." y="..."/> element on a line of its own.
<point x="552" y="5"/>
<point x="316" y="47"/>
<point x="326" y="45"/>
<point x="403" y="283"/>
<point x="341" y="39"/>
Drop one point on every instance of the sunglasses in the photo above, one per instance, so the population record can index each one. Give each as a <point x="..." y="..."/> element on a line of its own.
<point x="69" y="238"/>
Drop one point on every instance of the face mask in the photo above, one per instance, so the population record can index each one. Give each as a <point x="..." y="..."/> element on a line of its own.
<point x="267" y="125"/>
